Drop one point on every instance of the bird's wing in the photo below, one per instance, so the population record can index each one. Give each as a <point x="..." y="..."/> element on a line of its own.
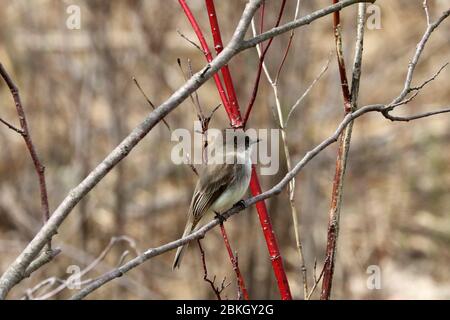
<point x="213" y="182"/>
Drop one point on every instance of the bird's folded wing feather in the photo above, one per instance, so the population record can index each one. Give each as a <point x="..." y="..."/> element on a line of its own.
<point x="214" y="180"/>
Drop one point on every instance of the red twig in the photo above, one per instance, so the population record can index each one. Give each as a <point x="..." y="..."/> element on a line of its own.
<point x="333" y="219"/>
<point x="24" y="132"/>
<point x="234" y="261"/>
<point x="286" y="51"/>
<point x="271" y="241"/>
<point x="260" y="65"/>
<point x="236" y="121"/>
<point x="209" y="58"/>
<point x="341" y="61"/>
<point x="218" y="46"/>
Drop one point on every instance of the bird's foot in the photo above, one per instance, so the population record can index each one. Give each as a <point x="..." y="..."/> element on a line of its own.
<point x="220" y="217"/>
<point x="240" y="204"/>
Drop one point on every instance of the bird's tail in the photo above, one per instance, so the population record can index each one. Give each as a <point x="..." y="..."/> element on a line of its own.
<point x="180" y="251"/>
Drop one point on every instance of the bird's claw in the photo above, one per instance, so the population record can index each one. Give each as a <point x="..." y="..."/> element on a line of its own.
<point x="240" y="204"/>
<point x="220" y="217"/>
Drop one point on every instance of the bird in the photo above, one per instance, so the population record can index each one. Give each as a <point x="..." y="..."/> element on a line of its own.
<point x="222" y="181"/>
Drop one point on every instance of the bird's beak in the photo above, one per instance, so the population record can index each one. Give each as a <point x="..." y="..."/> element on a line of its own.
<point x="256" y="141"/>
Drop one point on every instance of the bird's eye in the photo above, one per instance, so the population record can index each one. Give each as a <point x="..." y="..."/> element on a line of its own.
<point x="235" y="141"/>
<point x="247" y="141"/>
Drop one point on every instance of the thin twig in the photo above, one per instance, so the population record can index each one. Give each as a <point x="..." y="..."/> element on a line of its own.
<point x="316" y="281"/>
<point x="92" y="265"/>
<point x="25" y="133"/>
<point x="190" y="41"/>
<point x="305" y="94"/>
<point x="149" y="101"/>
<point x="414" y="117"/>
<point x="217" y="290"/>
<point x="288" y="47"/>
<point x="234" y="262"/>
<point x="258" y="74"/>
<point x="10" y="126"/>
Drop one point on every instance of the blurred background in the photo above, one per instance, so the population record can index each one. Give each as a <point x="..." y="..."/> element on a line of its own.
<point x="80" y="100"/>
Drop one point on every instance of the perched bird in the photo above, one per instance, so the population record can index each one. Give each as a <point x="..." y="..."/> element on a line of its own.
<point x="221" y="183"/>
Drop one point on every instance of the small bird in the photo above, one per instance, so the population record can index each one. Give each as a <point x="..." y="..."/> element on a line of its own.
<point x="222" y="183"/>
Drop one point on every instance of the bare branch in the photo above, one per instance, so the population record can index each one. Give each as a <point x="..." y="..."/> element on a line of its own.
<point x="419" y="49"/>
<point x="300" y="22"/>
<point x="303" y="96"/>
<point x="415" y="117"/>
<point x="92" y="265"/>
<point x="149" y="101"/>
<point x="41" y="260"/>
<point x="10" y="126"/>
<point x="427" y="13"/>
<point x="430" y="79"/>
<point x="316" y="282"/>
<point x="190" y="41"/>
<point x="217" y="290"/>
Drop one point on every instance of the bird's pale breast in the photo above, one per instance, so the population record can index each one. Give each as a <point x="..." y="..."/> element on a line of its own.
<point x="236" y="190"/>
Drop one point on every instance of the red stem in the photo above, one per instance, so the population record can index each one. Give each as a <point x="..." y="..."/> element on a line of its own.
<point x="261" y="60"/>
<point x="218" y="46"/>
<point x="236" y="121"/>
<point x="341" y="61"/>
<point x="271" y="240"/>
<point x="234" y="262"/>
<point x="208" y="56"/>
